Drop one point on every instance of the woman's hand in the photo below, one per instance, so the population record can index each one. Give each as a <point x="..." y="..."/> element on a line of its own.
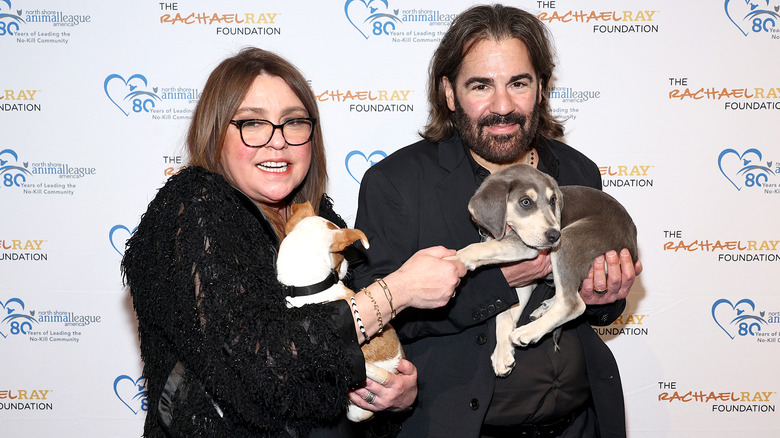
<point x="396" y="394"/>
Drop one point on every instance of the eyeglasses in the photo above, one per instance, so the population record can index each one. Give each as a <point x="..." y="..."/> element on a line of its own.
<point x="257" y="133"/>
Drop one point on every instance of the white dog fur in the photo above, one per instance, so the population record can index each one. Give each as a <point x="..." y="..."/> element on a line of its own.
<point x="313" y="247"/>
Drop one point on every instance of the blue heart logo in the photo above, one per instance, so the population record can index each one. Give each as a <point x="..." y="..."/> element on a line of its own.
<point x="745" y="14"/>
<point x="736" y="319"/>
<point x="125" y="93"/>
<point x="120" y="234"/>
<point x="370" y="16"/>
<point x="357" y="163"/>
<point x="13" y="309"/>
<point x="10" y="310"/>
<point x="732" y="164"/>
<point x="10" y="167"/>
<point x="131" y="393"/>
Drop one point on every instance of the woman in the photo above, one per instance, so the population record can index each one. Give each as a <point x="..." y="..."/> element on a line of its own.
<point x="223" y="356"/>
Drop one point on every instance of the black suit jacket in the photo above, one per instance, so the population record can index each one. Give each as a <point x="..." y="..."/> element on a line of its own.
<point x="416" y="198"/>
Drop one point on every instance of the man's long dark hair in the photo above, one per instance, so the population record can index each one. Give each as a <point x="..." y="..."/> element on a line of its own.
<point x="497" y="23"/>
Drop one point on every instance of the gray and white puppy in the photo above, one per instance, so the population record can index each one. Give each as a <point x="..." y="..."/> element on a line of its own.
<point x="525" y="211"/>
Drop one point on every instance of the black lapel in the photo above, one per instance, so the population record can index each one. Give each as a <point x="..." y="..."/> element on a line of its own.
<point x="455" y="190"/>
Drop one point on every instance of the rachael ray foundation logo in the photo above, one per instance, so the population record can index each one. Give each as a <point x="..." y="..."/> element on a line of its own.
<point x="31" y="250"/>
<point x="723" y="249"/>
<point x="25" y="399"/>
<point x="19" y="100"/>
<point x="172" y="164"/>
<point x="606" y="21"/>
<point x="718" y="400"/>
<point x="627" y="175"/>
<point x="258" y="22"/>
<point x="626" y="325"/>
<point x="368" y="100"/>
<point x="759" y="97"/>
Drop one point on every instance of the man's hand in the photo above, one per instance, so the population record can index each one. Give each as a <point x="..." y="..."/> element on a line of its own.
<point x="525" y="272"/>
<point x="605" y="285"/>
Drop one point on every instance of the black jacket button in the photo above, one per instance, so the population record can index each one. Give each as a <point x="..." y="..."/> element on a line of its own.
<point x="474" y="404"/>
<point x="481" y="338"/>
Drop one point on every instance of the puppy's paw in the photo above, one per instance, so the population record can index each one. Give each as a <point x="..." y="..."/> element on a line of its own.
<point x="542" y="309"/>
<point x="470" y="264"/>
<point x="357" y="414"/>
<point x="503" y="360"/>
<point x="526" y="335"/>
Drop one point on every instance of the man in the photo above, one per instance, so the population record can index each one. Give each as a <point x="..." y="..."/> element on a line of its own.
<point x="489" y="83"/>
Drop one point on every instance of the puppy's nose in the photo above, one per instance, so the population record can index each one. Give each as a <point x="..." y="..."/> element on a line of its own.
<point x="552" y="235"/>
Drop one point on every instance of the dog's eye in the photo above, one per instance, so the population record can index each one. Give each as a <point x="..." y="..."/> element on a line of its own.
<point x="553" y="200"/>
<point x="526" y="202"/>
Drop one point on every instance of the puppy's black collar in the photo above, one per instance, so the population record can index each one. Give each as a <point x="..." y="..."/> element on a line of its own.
<point x="297" y="291"/>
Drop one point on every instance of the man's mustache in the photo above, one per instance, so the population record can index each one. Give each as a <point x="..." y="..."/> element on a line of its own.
<point x="496" y="119"/>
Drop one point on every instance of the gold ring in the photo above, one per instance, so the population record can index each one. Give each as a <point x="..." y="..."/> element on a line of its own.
<point x="370" y="397"/>
<point x="599" y="291"/>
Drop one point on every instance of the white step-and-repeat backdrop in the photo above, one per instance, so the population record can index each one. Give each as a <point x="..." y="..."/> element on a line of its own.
<point x="678" y="102"/>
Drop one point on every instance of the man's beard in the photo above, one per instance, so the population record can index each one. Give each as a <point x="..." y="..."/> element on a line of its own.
<point x="503" y="148"/>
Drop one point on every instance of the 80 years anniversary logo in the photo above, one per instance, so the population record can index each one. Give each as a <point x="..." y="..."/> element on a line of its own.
<point x="749" y="169"/>
<point x="755" y="16"/>
<point x="134" y="95"/>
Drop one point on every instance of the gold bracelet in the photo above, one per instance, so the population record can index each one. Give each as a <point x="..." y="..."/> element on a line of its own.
<point x="376" y="307"/>
<point x="388" y="295"/>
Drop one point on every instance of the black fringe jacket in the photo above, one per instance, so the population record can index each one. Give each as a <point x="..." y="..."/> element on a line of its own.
<point x="201" y="273"/>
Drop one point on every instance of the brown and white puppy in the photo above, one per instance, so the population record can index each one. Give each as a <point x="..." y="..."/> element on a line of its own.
<point x="525" y="211"/>
<point x="312" y="250"/>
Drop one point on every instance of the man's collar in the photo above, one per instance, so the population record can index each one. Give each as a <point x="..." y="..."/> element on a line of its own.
<point x="548" y="161"/>
<point x="451" y="152"/>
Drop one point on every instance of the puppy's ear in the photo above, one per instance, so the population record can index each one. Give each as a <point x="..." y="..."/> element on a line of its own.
<point x="559" y="204"/>
<point x="488" y="206"/>
<point x="299" y="212"/>
<point x="345" y="236"/>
